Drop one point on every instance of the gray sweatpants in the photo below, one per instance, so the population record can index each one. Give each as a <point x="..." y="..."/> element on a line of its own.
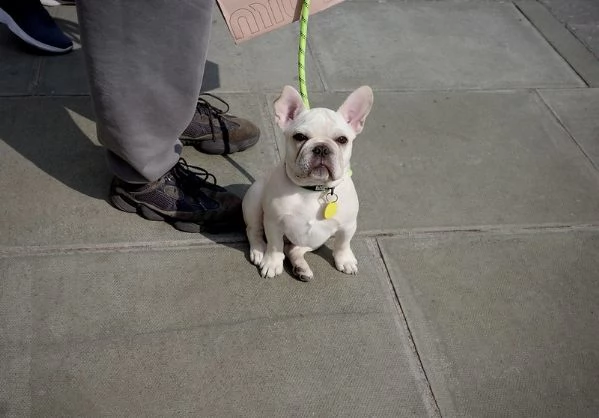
<point x="145" y="60"/>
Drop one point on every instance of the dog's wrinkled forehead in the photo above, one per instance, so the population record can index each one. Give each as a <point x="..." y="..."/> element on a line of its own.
<point x="321" y="122"/>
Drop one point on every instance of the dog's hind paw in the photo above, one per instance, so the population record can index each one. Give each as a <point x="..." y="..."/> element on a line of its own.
<point x="304" y="274"/>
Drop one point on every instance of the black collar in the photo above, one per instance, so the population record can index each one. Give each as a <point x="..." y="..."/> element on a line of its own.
<point x="319" y="188"/>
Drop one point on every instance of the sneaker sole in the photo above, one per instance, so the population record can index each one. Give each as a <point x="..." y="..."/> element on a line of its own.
<point x="208" y="146"/>
<point x="126" y="205"/>
<point x="14" y="28"/>
<point x="130" y="206"/>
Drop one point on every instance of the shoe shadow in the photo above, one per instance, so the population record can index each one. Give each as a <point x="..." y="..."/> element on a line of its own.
<point x="238" y="189"/>
<point x="211" y="80"/>
<point x="236" y="239"/>
<point x="57" y="136"/>
<point x="70" y="28"/>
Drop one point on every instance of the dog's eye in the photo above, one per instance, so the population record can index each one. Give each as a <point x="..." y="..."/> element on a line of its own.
<point x="300" y="137"/>
<point x="341" y="140"/>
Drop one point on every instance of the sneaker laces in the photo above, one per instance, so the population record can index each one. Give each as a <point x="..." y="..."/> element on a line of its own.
<point x="194" y="178"/>
<point x="204" y="107"/>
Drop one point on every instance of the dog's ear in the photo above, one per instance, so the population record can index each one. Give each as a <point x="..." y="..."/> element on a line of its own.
<point x="356" y="107"/>
<point x="288" y="106"/>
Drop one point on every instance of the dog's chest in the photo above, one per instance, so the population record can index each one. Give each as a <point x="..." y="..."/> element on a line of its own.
<point x="308" y="231"/>
<point x="301" y="219"/>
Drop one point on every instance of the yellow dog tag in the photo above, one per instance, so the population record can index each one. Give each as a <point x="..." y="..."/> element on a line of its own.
<point x="330" y="210"/>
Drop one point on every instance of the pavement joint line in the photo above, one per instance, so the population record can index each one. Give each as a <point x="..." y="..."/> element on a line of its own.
<point x="124" y="247"/>
<point x="35" y="76"/>
<point x="429" y="399"/>
<point x="239" y="168"/>
<point x="239" y="239"/>
<point x="563" y="126"/>
<point x="572" y="30"/>
<point x="206" y="325"/>
<point x="481" y="229"/>
<point x="563" y="23"/>
<point x="543" y="35"/>
<point x="340" y="91"/>
<point x="320" y="73"/>
<point x="269" y="118"/>
<point x="546" y="33"/>
<point x="415" y="90"/>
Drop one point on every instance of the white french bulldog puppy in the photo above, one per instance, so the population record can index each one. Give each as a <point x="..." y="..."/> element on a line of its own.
<point x="310" y="196"/>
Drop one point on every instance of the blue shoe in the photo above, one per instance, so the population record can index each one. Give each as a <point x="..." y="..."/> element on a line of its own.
<point x="34" y="25"/>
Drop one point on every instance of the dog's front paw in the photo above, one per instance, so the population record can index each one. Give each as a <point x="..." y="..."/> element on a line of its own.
<point x="346" y="262"/>
<point x="257" y="254"/>
<point x="272" y="265"/>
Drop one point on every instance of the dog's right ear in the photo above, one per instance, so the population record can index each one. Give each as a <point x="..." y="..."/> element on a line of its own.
<point x="288" y="106"/>
<point x="356" y="107"/>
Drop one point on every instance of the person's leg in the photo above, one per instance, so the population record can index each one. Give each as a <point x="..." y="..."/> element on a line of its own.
<point x="145" y="61"/>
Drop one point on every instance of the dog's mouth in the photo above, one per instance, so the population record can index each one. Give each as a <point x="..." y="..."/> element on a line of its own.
<point x="321" y="170"/>
<point x="318" y="169"/>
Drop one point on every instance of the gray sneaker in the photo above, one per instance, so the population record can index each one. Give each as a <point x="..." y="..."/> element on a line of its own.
<point x="214" y="131"/>
<point x="186" y="197"/>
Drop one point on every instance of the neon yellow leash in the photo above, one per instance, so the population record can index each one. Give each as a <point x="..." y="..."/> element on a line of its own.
<point x="330" y="208"/>
<point x="301" y="55"/>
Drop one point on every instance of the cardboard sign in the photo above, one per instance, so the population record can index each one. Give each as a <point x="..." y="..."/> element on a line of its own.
<point x="247" y="19"/>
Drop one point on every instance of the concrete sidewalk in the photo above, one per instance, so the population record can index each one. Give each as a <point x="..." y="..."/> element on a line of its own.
<point x="478" y="242"/>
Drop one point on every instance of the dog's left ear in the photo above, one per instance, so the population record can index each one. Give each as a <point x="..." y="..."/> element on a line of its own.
<point x="356" y="107"/>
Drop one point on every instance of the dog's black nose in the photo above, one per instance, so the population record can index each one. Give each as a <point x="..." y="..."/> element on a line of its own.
<point x="321" y="150"/>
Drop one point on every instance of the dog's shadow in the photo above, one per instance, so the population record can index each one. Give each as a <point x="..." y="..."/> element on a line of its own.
<point x="235" y="238"/>
<point x="241" y="245"/>
<point x="323" y="252"/>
